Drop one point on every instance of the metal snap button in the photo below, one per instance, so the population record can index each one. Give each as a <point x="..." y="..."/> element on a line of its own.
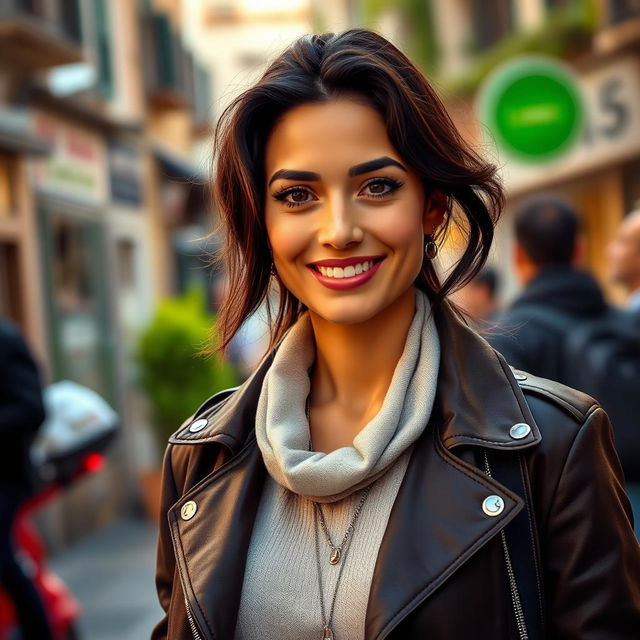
<point x="520" y="430"/>
<point x="198" y="425"/>
<point x="188" y="510"/>
<point x="493" y="505"/>
<point x="518" y="375"/>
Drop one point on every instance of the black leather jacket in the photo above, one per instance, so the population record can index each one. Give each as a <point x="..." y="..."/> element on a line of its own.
<point x="440" y="572"/>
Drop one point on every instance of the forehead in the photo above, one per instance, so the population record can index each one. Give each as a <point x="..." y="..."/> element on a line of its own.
<point x="338" y="133"/>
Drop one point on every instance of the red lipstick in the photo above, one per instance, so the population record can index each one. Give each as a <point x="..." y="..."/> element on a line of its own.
<point x="343" y="284"/>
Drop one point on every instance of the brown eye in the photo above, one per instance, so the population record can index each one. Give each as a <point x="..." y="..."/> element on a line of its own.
<point x="377" y="187"/>
<point x="380" y="187"/>
<point x="295" y="196"/>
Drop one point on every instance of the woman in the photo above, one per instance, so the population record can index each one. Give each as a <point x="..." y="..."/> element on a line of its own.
<point x="346" y="490"/>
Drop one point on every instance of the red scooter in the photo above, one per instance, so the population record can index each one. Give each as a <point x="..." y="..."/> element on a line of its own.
<point x="79" y="427"/>
<point x="62" y="608"/>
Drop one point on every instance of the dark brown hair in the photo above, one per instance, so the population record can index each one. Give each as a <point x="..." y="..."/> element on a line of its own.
<point x="315" y="69"/>
<point x="546" y="227"/>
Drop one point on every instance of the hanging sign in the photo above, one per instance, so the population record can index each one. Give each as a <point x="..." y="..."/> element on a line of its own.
<point x="533" y="108"/>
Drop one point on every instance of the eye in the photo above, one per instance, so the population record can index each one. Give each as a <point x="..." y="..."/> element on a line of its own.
<point x="295" y="196"/>
<point x="380" y="187"/>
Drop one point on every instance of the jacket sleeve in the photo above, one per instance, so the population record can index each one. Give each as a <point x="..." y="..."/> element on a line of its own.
<point x="165" y="559"/>
<point x="593" y="558"/>
<point x="21" y="406"/>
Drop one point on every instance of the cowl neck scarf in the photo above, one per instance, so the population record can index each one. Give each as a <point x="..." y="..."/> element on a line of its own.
<point x="282" y="428"/>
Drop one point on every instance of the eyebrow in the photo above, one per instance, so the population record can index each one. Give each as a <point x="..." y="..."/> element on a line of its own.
<point x="359" y="169"/>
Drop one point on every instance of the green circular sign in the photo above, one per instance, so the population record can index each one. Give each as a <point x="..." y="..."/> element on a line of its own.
<point x="534" y="108"/>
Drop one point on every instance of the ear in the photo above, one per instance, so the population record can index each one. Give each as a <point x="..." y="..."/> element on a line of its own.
<point x="434" y="211"/>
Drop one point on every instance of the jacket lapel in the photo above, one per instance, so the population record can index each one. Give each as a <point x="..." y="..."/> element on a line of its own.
<point x="437" y="522"/>
<point x="211" y="547"/>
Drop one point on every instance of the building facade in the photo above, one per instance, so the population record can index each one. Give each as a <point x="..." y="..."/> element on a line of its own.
<point x="100" y="103"/>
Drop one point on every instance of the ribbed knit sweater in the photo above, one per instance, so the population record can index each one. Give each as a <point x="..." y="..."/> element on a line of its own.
<point x="280" y="593"/>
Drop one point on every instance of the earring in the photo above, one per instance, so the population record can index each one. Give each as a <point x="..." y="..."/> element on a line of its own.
<point x="430" y="247"/>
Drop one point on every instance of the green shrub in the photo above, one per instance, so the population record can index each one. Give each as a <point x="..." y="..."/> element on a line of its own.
<point x="174" y="372"/>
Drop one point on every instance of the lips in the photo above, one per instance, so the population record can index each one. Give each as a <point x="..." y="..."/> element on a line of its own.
<point x="345" y="273"/>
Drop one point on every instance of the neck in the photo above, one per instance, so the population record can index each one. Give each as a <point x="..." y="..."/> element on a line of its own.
<point x="349" y="370"/>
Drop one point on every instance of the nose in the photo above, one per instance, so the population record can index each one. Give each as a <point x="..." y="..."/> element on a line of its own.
<point x="339" y="225"/>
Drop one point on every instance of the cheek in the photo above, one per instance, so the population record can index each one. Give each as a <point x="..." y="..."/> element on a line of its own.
<point x="403" y="232"/>
<point x="287" y="239"/>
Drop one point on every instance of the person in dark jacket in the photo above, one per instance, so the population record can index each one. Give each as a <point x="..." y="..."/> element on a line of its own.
<point x="21" y="414"/>
<point x="382" y="474"/>
<point x="546" y="256"/>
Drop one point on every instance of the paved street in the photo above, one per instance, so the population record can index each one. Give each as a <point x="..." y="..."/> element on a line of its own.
<point x="111" y="573"/>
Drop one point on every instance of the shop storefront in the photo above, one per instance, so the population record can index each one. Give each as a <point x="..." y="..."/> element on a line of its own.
<point x="601" y="175"/>
<point x="71" y="195"/>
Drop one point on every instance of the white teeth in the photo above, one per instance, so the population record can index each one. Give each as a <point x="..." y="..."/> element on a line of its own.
<point x="346" y="272"/>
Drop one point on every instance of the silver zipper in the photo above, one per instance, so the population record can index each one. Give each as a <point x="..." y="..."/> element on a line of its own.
<point x="515" y="595"/>
<point x="192" y="622"/>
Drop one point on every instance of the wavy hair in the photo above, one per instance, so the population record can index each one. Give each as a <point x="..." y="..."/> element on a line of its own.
<point x="316" y="69"/>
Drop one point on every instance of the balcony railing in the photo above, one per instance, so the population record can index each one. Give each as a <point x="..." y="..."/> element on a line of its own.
<point x="41" y="33"/>
<point x="172" y="78"/>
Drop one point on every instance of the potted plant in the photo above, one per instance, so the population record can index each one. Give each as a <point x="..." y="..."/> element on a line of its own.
<point x="176" y="372"/>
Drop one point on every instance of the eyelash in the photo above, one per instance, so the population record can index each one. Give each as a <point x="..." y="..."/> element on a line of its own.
<point x="389" y="182"/>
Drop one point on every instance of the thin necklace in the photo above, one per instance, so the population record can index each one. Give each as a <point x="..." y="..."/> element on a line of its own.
<point x="337" y="553"/>
<point x="327" y="632"/>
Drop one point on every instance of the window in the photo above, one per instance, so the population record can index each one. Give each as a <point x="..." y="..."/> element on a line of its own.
<point x="491" y="22"/>
<point x="103" y="49"/>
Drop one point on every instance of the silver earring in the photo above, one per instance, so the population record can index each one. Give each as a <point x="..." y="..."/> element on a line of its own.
<point x="430" y="247"/>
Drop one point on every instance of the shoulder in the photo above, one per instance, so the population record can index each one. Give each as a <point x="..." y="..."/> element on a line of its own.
<point x="186" y="465"/>
<point x="576" y="437"/>
<point x="563" y="415"/>
<point x="554" y="399"/>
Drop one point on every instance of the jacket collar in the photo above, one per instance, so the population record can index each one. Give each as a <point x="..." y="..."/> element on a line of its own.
<point x="477" y="402"/>
<point x="479" y="397"/>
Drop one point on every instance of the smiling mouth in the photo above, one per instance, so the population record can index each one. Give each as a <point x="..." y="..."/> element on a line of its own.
<point x="348" y="271"/>
<point x="343" y="275"/>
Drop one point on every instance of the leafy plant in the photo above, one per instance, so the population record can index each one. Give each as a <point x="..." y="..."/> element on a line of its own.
<point x="174" y="371"/>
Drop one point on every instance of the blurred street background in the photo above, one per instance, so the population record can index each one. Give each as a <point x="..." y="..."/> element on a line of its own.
<point x="106" y="226"/>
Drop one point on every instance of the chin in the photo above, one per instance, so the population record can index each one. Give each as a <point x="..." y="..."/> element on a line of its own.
<point x="351" y="312"/>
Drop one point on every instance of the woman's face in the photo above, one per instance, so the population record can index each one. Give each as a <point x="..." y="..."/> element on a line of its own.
<point x="345" y="214"/>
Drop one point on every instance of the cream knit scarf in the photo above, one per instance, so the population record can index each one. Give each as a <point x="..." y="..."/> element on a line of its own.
<point x="282" y="428"/>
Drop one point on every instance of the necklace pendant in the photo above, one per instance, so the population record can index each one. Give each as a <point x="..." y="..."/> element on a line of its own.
<point x="334" y="558"/>
<point x="327" y="634"/>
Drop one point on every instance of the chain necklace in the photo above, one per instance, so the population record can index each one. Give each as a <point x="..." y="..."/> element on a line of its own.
<point x="337" y="553"/>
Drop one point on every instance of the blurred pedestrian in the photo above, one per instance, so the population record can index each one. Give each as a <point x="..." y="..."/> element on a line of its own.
<point x="561" y="328"/>
<point x="21" y="414"/>
<point x="557" y="294"/>
<point x="381" y="474"/>
<point x="623" y="253"/>
<point x="479" y="297"/>
<point x="624" y="259"/>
